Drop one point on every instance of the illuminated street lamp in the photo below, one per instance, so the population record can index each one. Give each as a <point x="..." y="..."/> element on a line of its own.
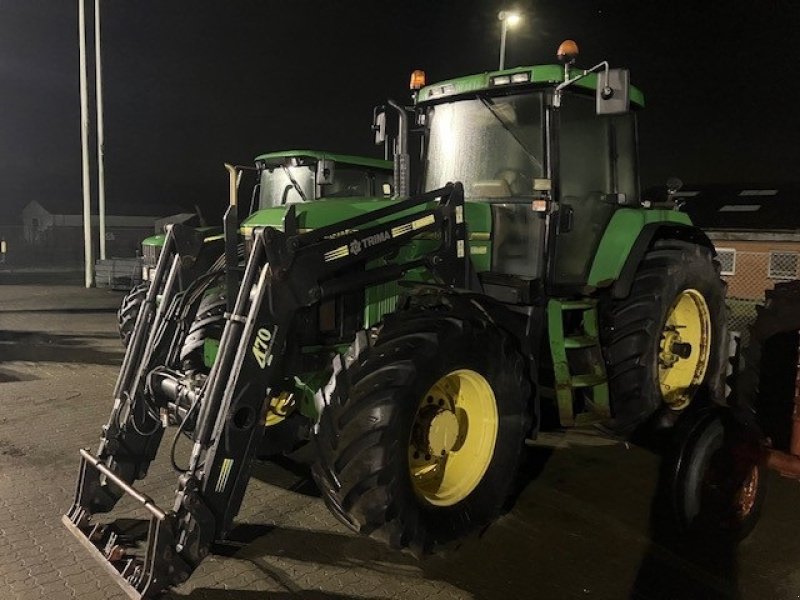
<point x="507" y="19"/>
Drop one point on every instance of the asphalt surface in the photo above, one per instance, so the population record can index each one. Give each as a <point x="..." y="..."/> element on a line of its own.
<point x="581" y="527"/>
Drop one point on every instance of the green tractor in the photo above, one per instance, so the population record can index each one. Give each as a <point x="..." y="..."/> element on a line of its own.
<point x="285" y="177"/>
<point x="425" y="339"/>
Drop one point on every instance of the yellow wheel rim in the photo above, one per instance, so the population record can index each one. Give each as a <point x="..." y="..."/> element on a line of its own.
<point x="684" y="349"/>
<point x="452" y="438"/>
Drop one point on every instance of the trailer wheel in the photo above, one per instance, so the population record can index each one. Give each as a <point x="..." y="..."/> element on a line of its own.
<point x="422" y="428"/>
<point x="207" y="325"/>
<point x="129" y="310"/>
<point x="715" y="476"/>
<point x="665" y="344"/>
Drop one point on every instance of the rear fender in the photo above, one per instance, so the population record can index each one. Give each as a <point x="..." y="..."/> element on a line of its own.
<point x="648" y="236"/>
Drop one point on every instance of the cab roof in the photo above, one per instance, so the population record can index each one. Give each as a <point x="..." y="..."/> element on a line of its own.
<point x="350" y="159"/>
<point x="537" y="76"/>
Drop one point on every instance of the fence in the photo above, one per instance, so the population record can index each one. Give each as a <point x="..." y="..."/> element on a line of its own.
<point x="749" y="275"/>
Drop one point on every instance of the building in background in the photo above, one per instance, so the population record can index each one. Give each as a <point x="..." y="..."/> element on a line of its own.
<point x="51" y="235"/>
<point x="756" y="231"/>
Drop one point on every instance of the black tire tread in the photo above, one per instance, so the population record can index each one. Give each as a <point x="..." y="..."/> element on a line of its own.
<point x="354" y="468"/>
<point x="129" y="311"/>
<point x="763" y="383"/>
<point x="208" y="324"/>
<point x="629" y="326"/>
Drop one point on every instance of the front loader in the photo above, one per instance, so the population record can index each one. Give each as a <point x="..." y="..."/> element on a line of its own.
<point x="426" y="340"/>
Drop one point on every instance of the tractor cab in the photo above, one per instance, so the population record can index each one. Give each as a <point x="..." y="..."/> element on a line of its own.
<point x="539" y="147"/>
<point x="290" y="177"/>
<point x="295" y="176"/>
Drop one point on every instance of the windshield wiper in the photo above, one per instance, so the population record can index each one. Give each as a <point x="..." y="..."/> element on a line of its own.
<point x="296" y="185"/>
<point x="502" y="122"/>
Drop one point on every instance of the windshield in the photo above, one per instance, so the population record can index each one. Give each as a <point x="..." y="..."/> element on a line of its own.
<point x="355" y="181"/>
<point x="492" y="145"/>
<point x="286" y="185"/>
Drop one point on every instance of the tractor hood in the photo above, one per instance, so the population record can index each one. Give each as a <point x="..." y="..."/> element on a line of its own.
<point x="320" y="213"/>
<point x="158" y="239"/>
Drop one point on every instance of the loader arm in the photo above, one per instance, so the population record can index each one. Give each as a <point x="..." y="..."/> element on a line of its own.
<point x="285" y="272"/>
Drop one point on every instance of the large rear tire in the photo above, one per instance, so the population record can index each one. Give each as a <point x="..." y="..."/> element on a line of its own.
<point x="767" y="380"/>
<point x="422" y="429"/>
<point x="665" y="344"/>
<point x="129" y="310"/>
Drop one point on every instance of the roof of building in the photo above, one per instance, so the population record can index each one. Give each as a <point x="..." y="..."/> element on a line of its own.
<point x="742" y="207"/>
<point x="56" y="206"/>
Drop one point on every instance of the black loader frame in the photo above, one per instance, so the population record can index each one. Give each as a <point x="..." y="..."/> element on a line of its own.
<point x="285" y="273"/>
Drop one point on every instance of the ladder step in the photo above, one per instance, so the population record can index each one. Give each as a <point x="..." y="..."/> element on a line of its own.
<point x="580" y="341"/>
<point x="590" y="380"/>
<point x="577" y="304"/>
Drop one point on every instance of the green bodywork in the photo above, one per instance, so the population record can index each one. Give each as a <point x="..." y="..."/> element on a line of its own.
<point x="158" y="239"/>
<point x="619" y="237"/>
<point x="540" y="76"/>
<point x="347" y="159"/>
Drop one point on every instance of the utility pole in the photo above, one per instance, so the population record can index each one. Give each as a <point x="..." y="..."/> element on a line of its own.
<point x="101" y="176"/>
<point x="507" y="19"/>
<point x="87" y="204"/>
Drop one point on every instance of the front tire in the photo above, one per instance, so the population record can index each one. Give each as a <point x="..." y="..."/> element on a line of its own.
<point x="129" y="310"/>
<point x="206" y="327"/>
<point x="422" y="428"/>
<point x="665" y="343"/>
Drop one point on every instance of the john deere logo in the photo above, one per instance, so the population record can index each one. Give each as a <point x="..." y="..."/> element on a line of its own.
<point x="355" y="247"/>
<point x="261" y="346"/>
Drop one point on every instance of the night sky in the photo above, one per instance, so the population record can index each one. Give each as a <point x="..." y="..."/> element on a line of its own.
<point x="189" y="85"/>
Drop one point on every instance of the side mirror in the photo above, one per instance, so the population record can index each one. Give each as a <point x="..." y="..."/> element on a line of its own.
<point x="379" y="126"/>
<point x="325" y="171"/>
<point x="614" y="98"/>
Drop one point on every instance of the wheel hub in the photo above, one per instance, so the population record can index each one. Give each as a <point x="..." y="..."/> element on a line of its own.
<point x="452" y="438"/>
<point x="746" y="498"/>
<point x="684" y="349"/>
<point x="442" y="434"/>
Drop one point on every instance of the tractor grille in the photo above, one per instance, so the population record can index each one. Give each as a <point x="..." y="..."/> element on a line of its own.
<point x="150" y="255"/>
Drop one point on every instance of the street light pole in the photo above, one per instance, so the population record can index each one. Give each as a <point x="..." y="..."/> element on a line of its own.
<point x="87" y="204"/>
<point x="507" y="19"/>
<point x="503" y="32"/>
<point x="101" y="176"/>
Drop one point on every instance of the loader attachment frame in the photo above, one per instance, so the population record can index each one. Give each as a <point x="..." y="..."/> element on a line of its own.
<point x="285" y="272"/>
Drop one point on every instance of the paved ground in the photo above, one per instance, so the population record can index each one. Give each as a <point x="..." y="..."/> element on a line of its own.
<point x="580" y="528"/>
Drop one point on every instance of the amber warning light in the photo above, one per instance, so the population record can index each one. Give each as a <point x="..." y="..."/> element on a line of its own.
<point x="567" y="51"/>
<point x="417" y="79"/>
